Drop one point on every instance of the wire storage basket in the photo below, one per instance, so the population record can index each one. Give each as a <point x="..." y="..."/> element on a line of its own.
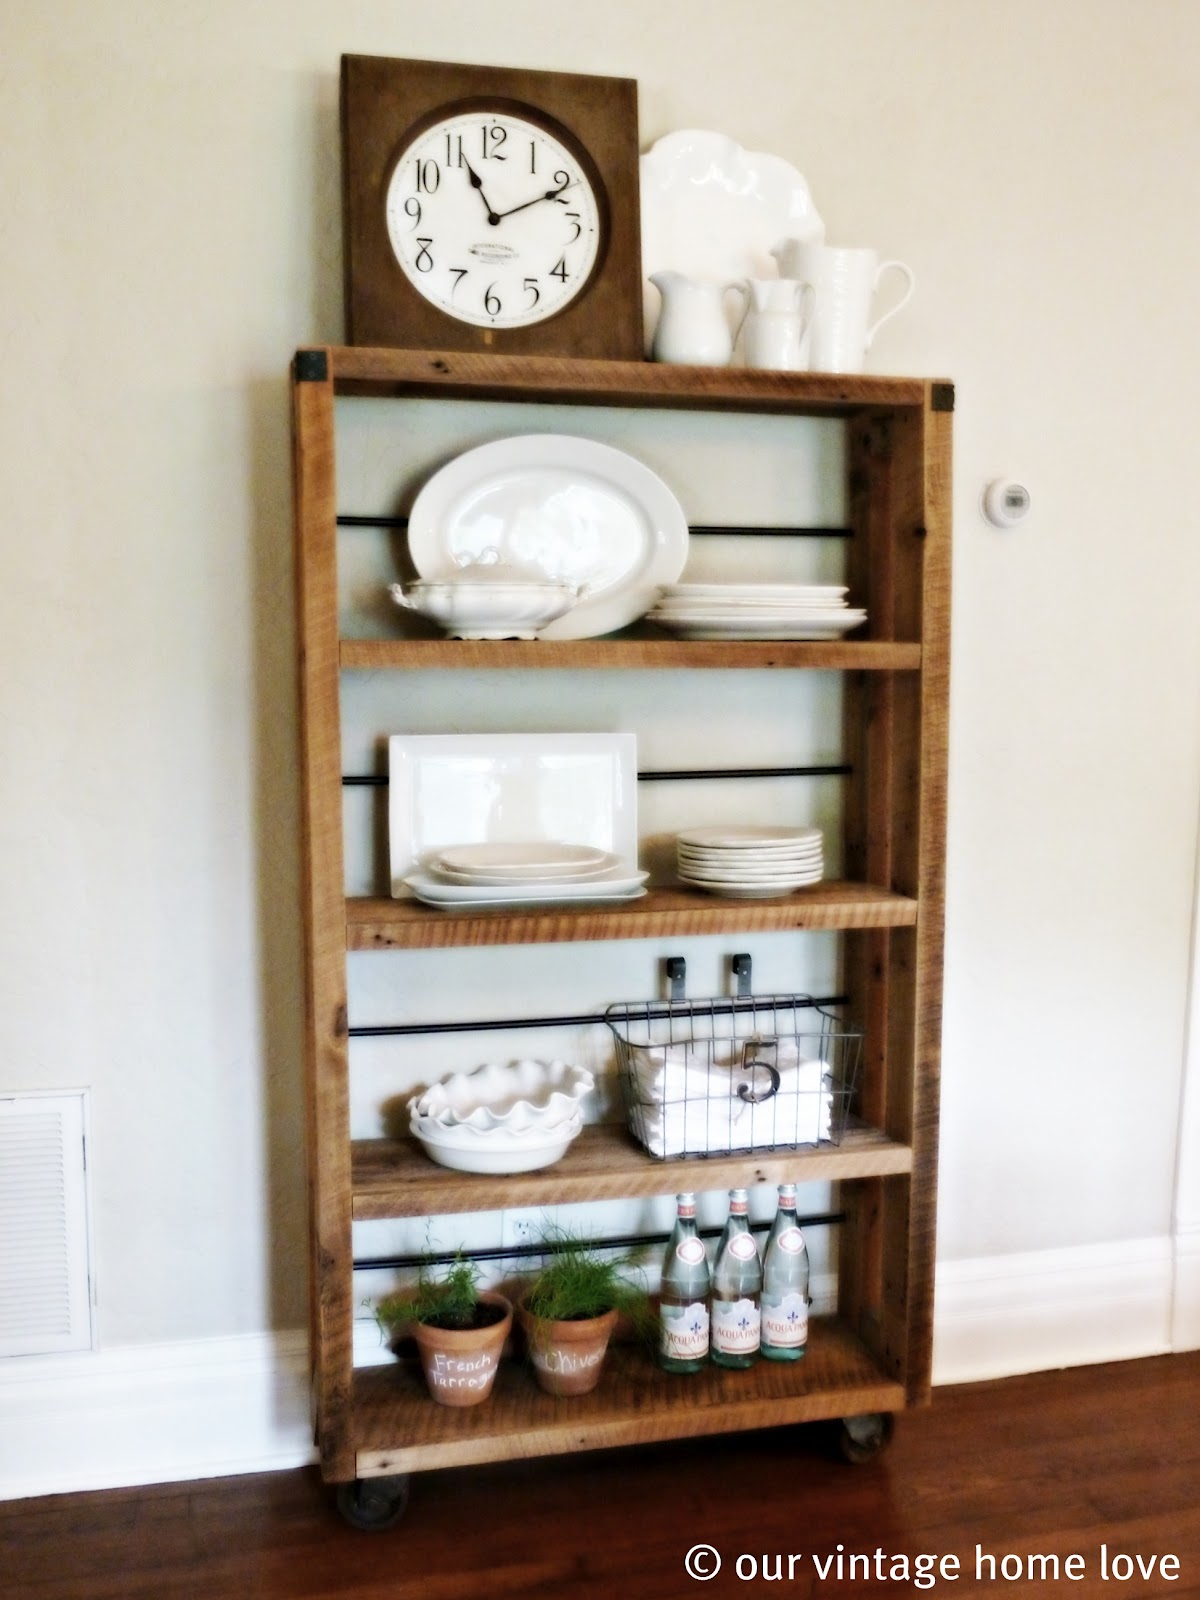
<point x="731" y="1075"/>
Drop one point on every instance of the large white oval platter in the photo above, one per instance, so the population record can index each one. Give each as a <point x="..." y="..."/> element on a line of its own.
<point x="576" y="510"/>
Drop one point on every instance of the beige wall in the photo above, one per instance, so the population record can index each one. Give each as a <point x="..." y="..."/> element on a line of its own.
<point x="169" y="232"/>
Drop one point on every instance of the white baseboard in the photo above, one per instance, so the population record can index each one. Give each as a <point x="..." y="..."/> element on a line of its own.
<point x="203" y="1408"/>
<point x="1003" y="1315"/>
<point x="214" y="1407"/>
<point x="1185" y="1313"/>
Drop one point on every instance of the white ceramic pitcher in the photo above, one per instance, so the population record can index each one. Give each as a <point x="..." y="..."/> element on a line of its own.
<point x="693" y="327"/>
<point x="776" y="325"/>
<point x="845" y="281"/>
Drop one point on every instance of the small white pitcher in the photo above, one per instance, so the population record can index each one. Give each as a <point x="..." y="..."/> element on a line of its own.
<point x="693" y="327"/>
<point x="845" y="281"/>
<point x="776" y="327"/>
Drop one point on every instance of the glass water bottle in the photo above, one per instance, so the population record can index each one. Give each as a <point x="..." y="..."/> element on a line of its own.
<point x="785" y="1284"/>
<point x="683" y="1337"/>
<point x="736" y="1289"/>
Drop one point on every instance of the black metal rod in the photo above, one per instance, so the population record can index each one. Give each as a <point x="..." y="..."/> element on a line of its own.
<point x="665" y="1009"/>
<point x="522" y="1252"/>
<point x="735" y="530"/>
<point x="829" y="769"/>
<point x="741" y="531"/>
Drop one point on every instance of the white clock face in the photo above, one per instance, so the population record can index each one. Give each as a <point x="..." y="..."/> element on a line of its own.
<point x="493" y="220"/>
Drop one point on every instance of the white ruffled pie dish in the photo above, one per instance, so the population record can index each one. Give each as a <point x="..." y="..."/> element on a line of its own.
<point x="518" y="1098"/>
<point x="495" y="1150"/>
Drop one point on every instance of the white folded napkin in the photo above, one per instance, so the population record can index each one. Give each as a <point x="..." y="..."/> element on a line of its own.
<point x="688" y="1101"/>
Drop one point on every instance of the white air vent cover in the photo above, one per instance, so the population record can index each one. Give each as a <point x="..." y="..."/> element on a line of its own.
<point x="44" y="1273"/>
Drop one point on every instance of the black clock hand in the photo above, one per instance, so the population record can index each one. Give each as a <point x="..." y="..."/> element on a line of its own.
<point x="550" y="194"/>
<point x="477" y="183"/>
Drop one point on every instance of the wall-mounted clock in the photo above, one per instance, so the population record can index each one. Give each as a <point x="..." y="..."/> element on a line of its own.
<point x="487" y="208"/>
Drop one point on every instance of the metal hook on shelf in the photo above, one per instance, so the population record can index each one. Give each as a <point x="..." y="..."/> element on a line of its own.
<point x="742" y="967"/>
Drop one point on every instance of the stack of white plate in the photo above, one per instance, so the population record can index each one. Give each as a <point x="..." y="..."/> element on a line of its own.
<point x="513" y="1118"/>
<point x="755" y="610"/>
<point x="524" y="873"/>
<point x="750" y="863"/>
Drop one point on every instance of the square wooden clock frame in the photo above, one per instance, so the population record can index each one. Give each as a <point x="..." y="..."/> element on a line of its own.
<point x="386" y="102"/>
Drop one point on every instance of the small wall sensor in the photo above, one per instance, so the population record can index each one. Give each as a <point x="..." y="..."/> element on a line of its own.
<point x="1006" y="502"/>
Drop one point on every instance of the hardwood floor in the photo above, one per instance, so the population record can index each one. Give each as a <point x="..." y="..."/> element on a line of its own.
<point x="1100" y="1463"/>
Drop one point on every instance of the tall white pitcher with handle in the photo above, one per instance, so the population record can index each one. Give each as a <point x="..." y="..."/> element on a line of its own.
<point x="845" y="281"/>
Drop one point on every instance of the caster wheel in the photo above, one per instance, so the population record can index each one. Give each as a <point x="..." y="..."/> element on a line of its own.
<point x="859" y="1438"/>
<point x="372" y="1504"/>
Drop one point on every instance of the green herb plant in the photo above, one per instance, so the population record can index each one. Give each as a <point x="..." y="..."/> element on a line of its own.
<point x="580" y="1281"/>
<point x="447" y="1299"/>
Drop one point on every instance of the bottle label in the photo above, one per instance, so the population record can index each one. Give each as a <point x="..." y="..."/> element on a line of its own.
<point x="685" y="1331"/>
<point x="785" y="1323"/>
<point x="742" y="1247"/>
<point x="735" y="1327"/>
<point x="690" y="1251"/>
<point x="791" y="1240"/>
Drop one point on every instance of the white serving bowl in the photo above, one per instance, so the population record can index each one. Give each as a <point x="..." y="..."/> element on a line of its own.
<point x="488" y="602"/>
<point x="518" y="1096"/>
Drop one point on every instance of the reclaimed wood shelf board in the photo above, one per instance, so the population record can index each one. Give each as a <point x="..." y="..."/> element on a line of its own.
<point x="383" y="924"/>
<point x="398" y="1428"/>
<point x="394" y="1177"/>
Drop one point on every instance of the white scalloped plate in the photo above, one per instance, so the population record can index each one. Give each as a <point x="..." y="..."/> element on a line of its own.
<point x="713" y="210"/>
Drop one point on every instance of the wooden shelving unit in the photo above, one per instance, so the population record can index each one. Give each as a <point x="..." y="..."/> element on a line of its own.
<point x="874" y="1355"/>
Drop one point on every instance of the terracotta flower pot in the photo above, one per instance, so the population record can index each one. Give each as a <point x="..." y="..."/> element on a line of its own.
<point x="567" y="1356"/>
<point x="460" y="1363"/>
